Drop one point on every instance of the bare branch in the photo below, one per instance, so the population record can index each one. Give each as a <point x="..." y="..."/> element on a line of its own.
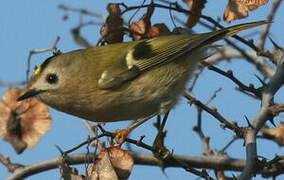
<point x="214" y="113"/>
<point x="208" y="162"/>
<point x="264" y="114"/>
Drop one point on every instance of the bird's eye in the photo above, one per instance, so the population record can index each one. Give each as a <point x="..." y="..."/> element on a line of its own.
<point x="51" y="78"/>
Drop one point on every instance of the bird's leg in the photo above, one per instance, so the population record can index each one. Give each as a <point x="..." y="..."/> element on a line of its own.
<point x="121" y="135"/>
<point x="162" y="152"/>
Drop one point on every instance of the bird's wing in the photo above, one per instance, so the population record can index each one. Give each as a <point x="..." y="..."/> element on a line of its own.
<point x="158" y="51"/>
<point x="145" y="56"/>
<point x="152" y="53"/>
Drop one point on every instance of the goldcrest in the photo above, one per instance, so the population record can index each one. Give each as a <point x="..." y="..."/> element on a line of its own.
<point x="123" y="81"/>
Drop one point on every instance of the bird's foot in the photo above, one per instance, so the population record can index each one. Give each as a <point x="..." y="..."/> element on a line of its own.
<point x="121" y="135"/>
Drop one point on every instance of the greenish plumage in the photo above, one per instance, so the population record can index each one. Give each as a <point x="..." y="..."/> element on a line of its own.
<point x="123" y="81"/>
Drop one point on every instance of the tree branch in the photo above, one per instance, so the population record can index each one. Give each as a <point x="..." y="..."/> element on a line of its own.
<point x="264" y="114"/>
<point x="229" y="53"/>
<point x="208" y="162"/>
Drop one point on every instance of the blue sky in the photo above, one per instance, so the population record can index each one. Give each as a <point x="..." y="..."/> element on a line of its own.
<point x="33" y="24"/>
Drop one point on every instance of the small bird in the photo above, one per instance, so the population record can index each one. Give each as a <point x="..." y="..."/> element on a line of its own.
<point x="123" y="81"/>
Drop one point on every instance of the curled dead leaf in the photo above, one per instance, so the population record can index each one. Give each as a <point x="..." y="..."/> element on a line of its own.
<point x="111" y="164"/>
<point x="22" y="123"/>
<point x="158" y="30"/>
<point x="139" y="30"/>
<point x="238" y="9"/>
<point x="196" y="7"/>
<point x="277" y="133"/>
<point x="113" y="31"/>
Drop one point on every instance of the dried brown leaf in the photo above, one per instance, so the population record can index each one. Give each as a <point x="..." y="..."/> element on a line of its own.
<point x="139" y="30"/>
<point x="112" y="31"/>
<point x="22" y="123"/>
<point x="111" y="164"/>
<point x="238" y="9"/>
<point x="158" y="30"/>
<point x="276" y="133"/>
<point x="196" y="7"/>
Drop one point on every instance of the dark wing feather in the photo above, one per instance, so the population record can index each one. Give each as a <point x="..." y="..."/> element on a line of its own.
<point x="152" y="53"/>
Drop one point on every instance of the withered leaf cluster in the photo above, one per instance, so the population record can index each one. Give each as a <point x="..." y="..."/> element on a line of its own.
<point x="22" y="123"/>
<point x="143" y="29"/>
<point x="113" y="30"/>
<point x="238" y="9"/>
<point x="111" y="164"/>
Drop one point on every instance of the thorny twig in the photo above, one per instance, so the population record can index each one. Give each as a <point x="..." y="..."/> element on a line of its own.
<point x="263" y="115"/>
<point x="229" y="53"/>
<point x="206" y="139"/>
<point x="225" y="123"/>
<point x="229" y="74"/>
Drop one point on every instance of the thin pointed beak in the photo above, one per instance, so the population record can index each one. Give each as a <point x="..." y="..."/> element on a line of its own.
<point x="29" y="94"/>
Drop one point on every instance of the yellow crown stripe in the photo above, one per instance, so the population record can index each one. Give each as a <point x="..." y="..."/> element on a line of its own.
<point x="37" y="70"/>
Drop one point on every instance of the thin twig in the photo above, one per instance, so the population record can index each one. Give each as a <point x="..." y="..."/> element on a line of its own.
<point x="229" y="144"/>
<point x="53" y="48"/>
<point x="214" y="113"/>
<point x="90" y="140"/>
<point x="229" y="53"/>
<point x="81" y="11"/>
<point x="242" y="87"/>
<point x="214" y="95"/>
<point x="269" y="18"/>
<point x="12" y="167"/>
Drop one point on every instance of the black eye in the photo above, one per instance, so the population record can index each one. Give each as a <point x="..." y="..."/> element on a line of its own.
<point x="51" y="78"/>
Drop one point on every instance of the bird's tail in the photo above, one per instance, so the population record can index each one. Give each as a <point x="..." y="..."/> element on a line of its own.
<point x="229" y="31"/>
